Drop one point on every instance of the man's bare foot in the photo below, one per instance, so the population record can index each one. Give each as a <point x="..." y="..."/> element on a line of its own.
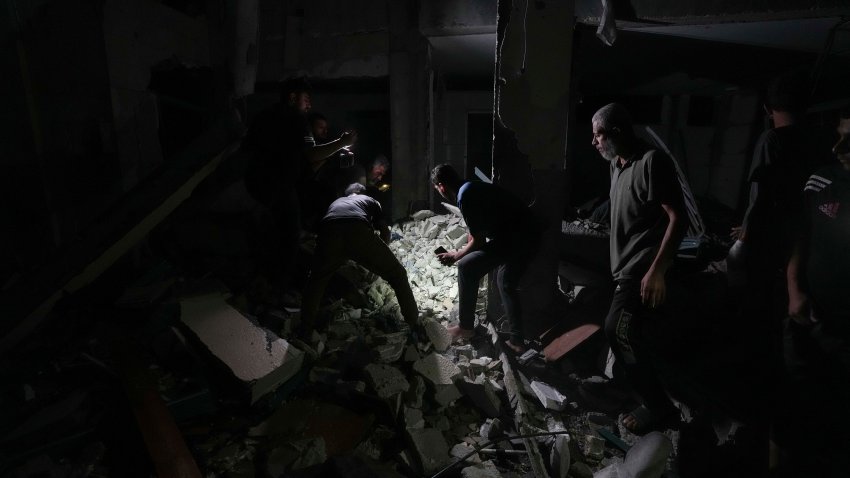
<point x="458" y="333"/>
<point x="517" y="348"/>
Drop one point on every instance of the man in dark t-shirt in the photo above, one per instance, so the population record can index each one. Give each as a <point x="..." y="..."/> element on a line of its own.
<point x="817" y="331"/>
<point x="502" y="233"/>
<point x="282" y="149"/>
<point x="648" y="221"/>
<point x="347" y="232"/>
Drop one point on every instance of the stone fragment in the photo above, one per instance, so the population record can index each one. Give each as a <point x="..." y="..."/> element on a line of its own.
<point x="437" y="334"/>
<point x="437" y="369"/>
<point x="430" y="449"/>
<point x="559" y="457"/>
<point x="492" y="428"/>
<point x="482" y="394"/>
<point x="460" y="241"/>
<point x="258" y="358"/>
<point x="646" y="459"/>
<point x="580" y="470"/>
<point x="549" y="396"/>
<point x="484" y="470"/>
<point x="454" y="232"/>
<point x="463" y="449"/>
<point x="386" y="380"/>
<point x="423" y="214"/>
<point x="444" y="395"/>
<point x="413" y="418"/>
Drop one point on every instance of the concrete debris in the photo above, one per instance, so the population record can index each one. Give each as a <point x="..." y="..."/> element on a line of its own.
<point x="480" y="364"/>
<point x="390" y="347"/>
<point x="437" y="334"/>
<point x="461" y="241"/>
<point x="415" y="395"/>
<point x="549" y="396"/>
<point x="580" y="470"/>
<point x="492" y="428"/>
<point x="429" y="448"/>
<point x="445" y="395"/>
<point x="482" y="394"/>
<point x="386" y="380"/>
<point x="463" y="449"/>
<point x="646" y="459"/>
<point x="484" y="470"/>
<point x="437" y="369"/>
<point x="413" y="418"/>
<point x="423" y="214"/>
<point x="255" y="356"/>
<point x="559" y="457"/>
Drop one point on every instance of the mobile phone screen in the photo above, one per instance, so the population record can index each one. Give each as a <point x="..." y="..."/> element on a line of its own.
<point x="440" y="250"/>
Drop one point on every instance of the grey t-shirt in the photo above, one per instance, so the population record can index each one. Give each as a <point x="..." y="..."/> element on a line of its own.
<point x="357" y="207"/>
<point x="638" y="222"/>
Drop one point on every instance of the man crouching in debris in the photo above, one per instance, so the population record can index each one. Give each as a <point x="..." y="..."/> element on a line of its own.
<point x="347" y="232"/>
<point x="493" y="213"/>
<point x="648" y="222"/>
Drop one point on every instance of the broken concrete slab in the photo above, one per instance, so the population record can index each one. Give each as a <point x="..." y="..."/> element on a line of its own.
<point x="430" y="449"/>
<point x="551" y="398"/>
<point x="258" y="358"/>
<point x="413" y="418"/>
<point x="415" y="395"/>
<point x="559" y="457"/>
<point x="492" y="428"/>
<point x="437" y="334"/>
<point x="462" y="450"/>
<point x="423" y="214"/>
<point x="437" y="369"/>
<point x="386" y="380"/>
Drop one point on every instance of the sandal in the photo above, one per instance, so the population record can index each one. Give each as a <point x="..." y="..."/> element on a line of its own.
<point x="646" y="420"/>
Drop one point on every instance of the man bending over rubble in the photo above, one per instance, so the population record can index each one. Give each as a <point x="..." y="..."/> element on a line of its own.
<point x="347" y="232"/>
<point x="493" y="213"/>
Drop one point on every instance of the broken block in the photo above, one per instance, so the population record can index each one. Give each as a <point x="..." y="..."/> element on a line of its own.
<point x="462" y="450"/>
<point x="437" y="334"/>
<point x="413" y="418"/>
<point x="482" y="394"/>
<point x="549" y="396"/>
<point x="414" y="396"/>
<point x="484" y="470"/>
<point x="386" y="380"/>
<point x="437" y="369"/>
<point x="423" y="214"/>
<point x="444" y="395"/>
<point x="430" y="449"/>
<point x="256" y="357"/>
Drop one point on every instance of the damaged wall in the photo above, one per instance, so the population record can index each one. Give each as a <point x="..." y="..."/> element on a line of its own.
<point x="532" y="101"/>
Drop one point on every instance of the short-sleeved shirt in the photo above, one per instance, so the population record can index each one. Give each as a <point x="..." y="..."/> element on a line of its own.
<point x="277" y="137"/>
<point x="492" y="212"/>
<point x="638" y="223"/>
<point x="827" y="195"/>
<point x="357" y="207"/>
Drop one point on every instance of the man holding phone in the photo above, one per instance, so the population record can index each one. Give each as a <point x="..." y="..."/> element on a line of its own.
<point x="502" y="233"/>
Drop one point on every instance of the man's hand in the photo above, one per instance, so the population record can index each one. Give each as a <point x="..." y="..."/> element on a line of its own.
<point x="653" y="289"/>
<point x="447" y="258"/>
<point x="737" y="233"/>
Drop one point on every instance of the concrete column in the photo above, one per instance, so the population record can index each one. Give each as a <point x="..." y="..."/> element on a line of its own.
<point x="410" y="103"/>
<point x="533" y="60"/>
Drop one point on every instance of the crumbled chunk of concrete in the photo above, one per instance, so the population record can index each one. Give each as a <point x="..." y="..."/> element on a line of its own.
<point x="454" y="232"/>
<point x="482" y="394"/>
<point x="444" y="395"/>
<point x="460" y="241"/>
<point x="430" y="449"/>
<point x="386" y="380"/>
<point x="647" y="458"/>
<point x="549" y="396"/>
<point x="255" y="356"/>
<point x="437" y="334"/>
<point x="484" y="470"/>
<point x="437" y="369"/>
<point x="580" y="470"/>
<point x="390" y="347"/>
<point x="492" y="428"/>
<point x="559" y="457"/>
<point x="463" y="449"/>
<point x="423" y="214"/>
<point x="413" y="418"/>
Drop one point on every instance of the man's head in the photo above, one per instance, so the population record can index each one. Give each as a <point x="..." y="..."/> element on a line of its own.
<point x="295" y="93"/>
<point x="319" y="126"/>
<point x="788" y="93"/>
<point x="379" y="168"/>
<point x="842" y="147"/>
<point x="446" y="181"/>
<point x="612" y="130"/>
<point x="355" y="188"/>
